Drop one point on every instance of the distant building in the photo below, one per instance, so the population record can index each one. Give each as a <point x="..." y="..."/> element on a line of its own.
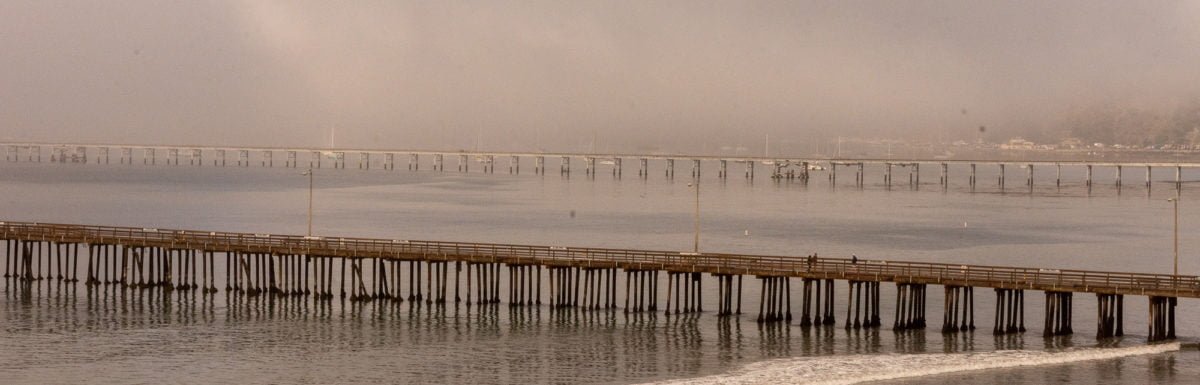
<point x="1071" y="143"/>
<point x="1017" y="143"/>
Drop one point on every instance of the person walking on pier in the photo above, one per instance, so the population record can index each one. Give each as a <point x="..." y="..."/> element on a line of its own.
<point x="812" y="260"/>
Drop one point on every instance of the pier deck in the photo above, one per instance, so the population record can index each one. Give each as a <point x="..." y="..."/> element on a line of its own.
<point x="275" y="263"/>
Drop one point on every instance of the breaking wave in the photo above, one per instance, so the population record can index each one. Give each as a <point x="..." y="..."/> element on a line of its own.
<point x="853" y="369"/>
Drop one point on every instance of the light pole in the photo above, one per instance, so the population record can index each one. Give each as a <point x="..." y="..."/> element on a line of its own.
<point x="1176" y="201"/>
<point x="309" y="173"/>
<point x="696" y="244"/>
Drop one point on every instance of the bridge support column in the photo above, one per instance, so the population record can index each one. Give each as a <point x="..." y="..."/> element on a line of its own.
<point x="564" y="166"/>
<point x="859" y="179"/>
<point x="518" y="280"/>
<point x="593" y="288"/>
<point x="1058" y="314"/>
<point x="645" y="290"/>
<point x="397" y="294"/>
<point x="697" y="291"/>
<point x="725" y="296"/>
<point x="314" y="159"/>
<point x="695" y="168"/>
<point x="750" y="169"/>
<point x="722" y="171"/>
<point x="464" y="164"/>
<point x="560" y="286"/>
<point x="485" y="283"/>
<point x="590" y="288"/>
<point x="862" y="306"/>
<point x="589" y="166"/>
<point x="972" y="176"/>
<point x="1110" y="315"/>
<point x="910" y="306"/>
<point x="618" y="164"/>
<point x="539" y="165"/>
<point x="468" y="266"/>
<point x="389" y="161"/>
<point x="644" y="168"/>
<point x="1162" y="318"/>
<point x="1148" y="176"/>
<point x="775" y="301"/>
<point x="1178" y="177"/>
<point x="670" y="170"/>
<point x="364" y="161"/>
<point x="945" y="177"/>
<point x="1118" y="177"/>
<point x="442" y="281"/>
<point x="603" y="289"/>
<point x="514" y="164"/>
<point x="13" y="254"/>
<point x="439" y="162"/>
<point x="1058" y="175"/>
<point x="687" y="289"/>
<point x="1089" y="175"/>
<point x="414" y="162"/>
<point x="1029" y="175"/>
<point x="1010" y="311"/>
<point x="887" y="174"/>
<point x="833" y="173"/>
<point x="810" y="302"/>
<point x="316" y="285"/>
<point x="1000" y="181"/>
<point x="960" y="309"/>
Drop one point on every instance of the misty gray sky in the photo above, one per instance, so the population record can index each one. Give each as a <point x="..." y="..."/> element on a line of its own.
<point x="557" y="75"/>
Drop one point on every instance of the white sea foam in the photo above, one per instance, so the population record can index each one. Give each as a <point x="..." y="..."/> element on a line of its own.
<point x="854" y="369"/>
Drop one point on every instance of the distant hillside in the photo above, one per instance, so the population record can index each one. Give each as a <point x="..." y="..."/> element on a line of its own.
<point x="1133" y="126"/>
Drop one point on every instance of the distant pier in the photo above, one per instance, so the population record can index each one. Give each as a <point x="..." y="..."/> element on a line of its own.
<point x="362" y="269"/>
<point x="778" y="167"/>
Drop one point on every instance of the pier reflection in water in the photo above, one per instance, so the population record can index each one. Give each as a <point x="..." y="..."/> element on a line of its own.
<point x="377" y="341"/>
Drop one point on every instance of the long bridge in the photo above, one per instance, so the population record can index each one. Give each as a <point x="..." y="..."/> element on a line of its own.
<point x="365" y="269"/>
<point x="779" y="167"/>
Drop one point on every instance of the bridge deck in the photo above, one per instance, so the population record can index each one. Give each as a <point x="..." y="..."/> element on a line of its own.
<point x="670" y="261"/>
<point x="656" y="156"/>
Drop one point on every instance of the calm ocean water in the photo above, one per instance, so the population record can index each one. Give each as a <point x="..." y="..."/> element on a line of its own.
<point x="54" y="333"/>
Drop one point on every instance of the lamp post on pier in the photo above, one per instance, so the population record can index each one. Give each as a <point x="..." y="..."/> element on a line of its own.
<point x="696" y="217"/>
<point x="1175" y="200"/>
<point x="309" y="173"/>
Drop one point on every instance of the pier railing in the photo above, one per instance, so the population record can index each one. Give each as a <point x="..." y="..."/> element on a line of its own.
<point x="670" y="261"/>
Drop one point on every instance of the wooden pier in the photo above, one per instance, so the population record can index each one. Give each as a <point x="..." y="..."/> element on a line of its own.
<point x="363" y="269"/>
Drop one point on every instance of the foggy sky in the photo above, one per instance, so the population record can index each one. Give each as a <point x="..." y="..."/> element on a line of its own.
<point x="562" y="75"/>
